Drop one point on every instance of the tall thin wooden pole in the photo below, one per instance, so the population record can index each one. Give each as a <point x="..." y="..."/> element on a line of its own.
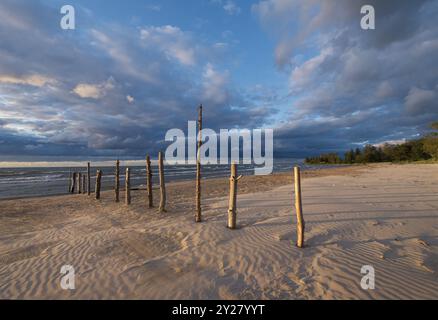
<point x="73" y="186"/>
<point x="83" y="184"/>
<point x="162" y="183"/>
<point x="149" y="181"/>
<point x="232" y="215"/>
<point x="79" y="183"/>
<point x="69" y="181"/>
<point x="88" y="179"/>
<point x="128" y="187"/>
<point x="117" y="181"/>
<point x="198" y="216"/>
<point x="299" y="208"/>
<point x="98" y="183"/>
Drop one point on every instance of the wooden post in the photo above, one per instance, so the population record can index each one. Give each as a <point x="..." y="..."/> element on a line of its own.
<point x="83" y="183"/>
<point x="88" y="179"/>
<point x="127" y="187"/>
<point x="233" y="197"/>
<point x="198" y="216"/>
<point x="117" y="181"/>
<point x="79" y="183"/>
<point x="69" y="181"/>
<point x="73" y="187"/>
<point x="149" y="181"/>
<point x="162" y="183"/>
<point x="299" y="208"/>
<point x="98" y="183"/>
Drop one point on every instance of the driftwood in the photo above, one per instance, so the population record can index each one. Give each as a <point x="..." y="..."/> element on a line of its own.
<point x="84" y="186"/>
<point x="232" y="214"/>
<point x="79" y="183"/>
<point x="69" y="181"/>
<point x="162" y="183"/>
<point x="98" y="183"/>
<point x="198" y="216"/>
<point x="128" y="187"/>
<point x="73" y="183"/>
<point x="117" y="181"/>
<point x="88" y="179"/>
<point x="299" y="208"/>
<point x="149" y="181"/>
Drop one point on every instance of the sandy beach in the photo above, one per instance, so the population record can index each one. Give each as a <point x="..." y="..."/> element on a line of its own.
<point x="381" y="215"/>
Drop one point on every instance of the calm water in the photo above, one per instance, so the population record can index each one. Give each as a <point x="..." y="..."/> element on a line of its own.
<point x="30" y="182"/>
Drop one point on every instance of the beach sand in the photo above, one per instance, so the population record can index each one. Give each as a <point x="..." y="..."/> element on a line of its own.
<point x="382" y="215"/>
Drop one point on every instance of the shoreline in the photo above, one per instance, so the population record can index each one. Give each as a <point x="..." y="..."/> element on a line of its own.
<point x="307" y="172"/>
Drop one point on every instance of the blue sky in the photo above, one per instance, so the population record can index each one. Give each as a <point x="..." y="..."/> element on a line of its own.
<point x="134" y="69"/>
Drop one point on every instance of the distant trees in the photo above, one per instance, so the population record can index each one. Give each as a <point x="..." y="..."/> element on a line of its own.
<point x="430" y="143"/>
<point x="424" y="148"/>
<point x="325" y="158"/>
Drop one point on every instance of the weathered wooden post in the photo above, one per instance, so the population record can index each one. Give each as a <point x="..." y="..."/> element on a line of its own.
<point x="83" y="184"/>
<point x="149" y="181"/>
<point x="117" y="181"/>
<point x="79" y="183"/>
<point x="88" y="179"/>
<point x="128" y="187"/>
<point x="233" y="197"/>
<point x="198" y="216"/>
<point x="162" y="183"/>
<point x="69" y="180"/>
<point x="299" y="208"/>
<point x="73" y="187"/>
<point x="98" y="183"/>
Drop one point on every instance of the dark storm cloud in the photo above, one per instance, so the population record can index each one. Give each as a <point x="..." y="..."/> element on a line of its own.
<point x="358" y="86"/>
<point x="107" y="89"/>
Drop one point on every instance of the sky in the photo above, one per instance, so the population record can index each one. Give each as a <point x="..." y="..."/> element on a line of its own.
<point x="132" y="70"/>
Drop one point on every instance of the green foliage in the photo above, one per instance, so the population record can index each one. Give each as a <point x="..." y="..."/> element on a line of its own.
<point x="325" y="159"/>
<point x="431" y="146"/>
<point x="416" y="150"/>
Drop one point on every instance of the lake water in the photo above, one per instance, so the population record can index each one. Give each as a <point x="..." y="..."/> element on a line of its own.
<point x="30" y="182"/>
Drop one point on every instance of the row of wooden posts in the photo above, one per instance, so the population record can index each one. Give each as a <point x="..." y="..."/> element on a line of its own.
<point x="82" y="183"/>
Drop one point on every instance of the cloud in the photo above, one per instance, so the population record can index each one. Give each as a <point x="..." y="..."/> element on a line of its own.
<point x="172" y="41"/>
<point x="153" y="7"/>
<point x="162" y="72"/>
<point x="31" y="80"/>
<point x="232" y="8"/>
<point x="421" y="101"/>
<point x="130" y="99"/>
<point x="215" y="85"/>
<point x="351" y="86"/>
<point x="93" y="91"/>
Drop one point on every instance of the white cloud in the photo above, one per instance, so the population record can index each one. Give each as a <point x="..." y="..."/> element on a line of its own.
<point x="32" y="80"/>
<point x="232" y="8"/>
<point x="153" y="7"/>
<point x="93" y="91"/>
<point x="302" y="75"/>
<point x="120" y="51"/>
<point x="130" y="99"/>
<point x="172" y="41"/>
<point x="215" y="85"/>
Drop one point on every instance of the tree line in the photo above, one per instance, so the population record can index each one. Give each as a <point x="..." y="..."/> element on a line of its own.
<point x="425" y="148"/>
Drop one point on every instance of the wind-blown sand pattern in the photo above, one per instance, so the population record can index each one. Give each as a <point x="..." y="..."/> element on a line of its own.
<point x="385" y="216"/>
